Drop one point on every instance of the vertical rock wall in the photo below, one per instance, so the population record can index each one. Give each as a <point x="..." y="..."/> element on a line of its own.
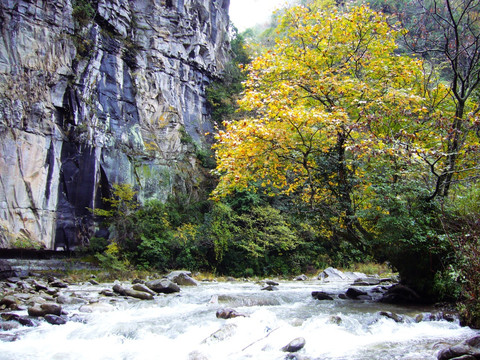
<point x="97" y="92"/>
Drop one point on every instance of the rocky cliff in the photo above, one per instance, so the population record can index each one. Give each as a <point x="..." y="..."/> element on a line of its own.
<point x="97" y="92"/>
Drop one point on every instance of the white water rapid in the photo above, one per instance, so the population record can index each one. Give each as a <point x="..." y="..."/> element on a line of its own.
<point x="180" y="327"/>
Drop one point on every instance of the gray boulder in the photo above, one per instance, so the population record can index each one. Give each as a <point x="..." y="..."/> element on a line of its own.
<point x="302" y="277"/>
<point x="400" y="294"/>
<point x="468" y="349"/>
<point x="164" y="286"/>
<point x="182" y="277"/>
<point x="44" y="309"/>
<point x="320" y="295"/>
<point x="55" y="320"/>
<point x="138" y="294"/>
<point x="294" y="345"/>
<point x="356" y="294"/>
<point x="142" y="287"/>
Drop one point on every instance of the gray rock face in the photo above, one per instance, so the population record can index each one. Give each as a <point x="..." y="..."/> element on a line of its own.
<point x="89" y="102"/>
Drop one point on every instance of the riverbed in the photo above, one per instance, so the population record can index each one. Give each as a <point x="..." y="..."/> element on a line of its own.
<point x="184" y="326"/>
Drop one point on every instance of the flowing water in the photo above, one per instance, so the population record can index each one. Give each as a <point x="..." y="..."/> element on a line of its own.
<point x="180" y="326"/>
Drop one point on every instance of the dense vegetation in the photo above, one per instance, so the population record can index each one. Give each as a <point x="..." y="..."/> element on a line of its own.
<point x="354" y="140"/>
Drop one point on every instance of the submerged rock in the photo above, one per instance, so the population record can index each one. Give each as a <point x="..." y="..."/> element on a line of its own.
<point x="226" y="331"/>
<point x="294" y="345"/>
<point x="227" y="313"/>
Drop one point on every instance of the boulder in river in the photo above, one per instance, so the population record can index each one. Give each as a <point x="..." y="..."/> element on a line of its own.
<point x="270" y="288"/>
<point x="55" y="320"/>
<point x="182" y="278"/>
<point x="400" y="294"/>
<point x="44" y="309"/>
<point x="228" y="313"/>
<point x="164" y="286"/>
<point x="302" y="277"/>
<point x="321" y="295"/>
<point x="138" y="294"/>
<point x="356" y="294"/>
<point x="294" y="345"/>
<point x="332" y="275"/>
<point x="465" y="350"/>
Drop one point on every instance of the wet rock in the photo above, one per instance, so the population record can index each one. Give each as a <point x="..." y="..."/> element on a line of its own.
<point x="335" y="319"/>
<point x="142" y="287"/>
<point x="7" y="326"/>
<point x="271" y="282"/>
<point x="6" y="270"/>
<point x="225" y="332"/>
<point x="164" y="286"/>
<point x="331" y="274"/>
<point x="38" y="285"/>
<point x="391" y="315"/>
<point x="470" y="347"/>
<point x="138" y="294"/>
<point x="228" y="313"/>
<point x="119" y="289"/>
<point x="356" y="294"/>
<point x="10" y="302"/>
<point x="93" y="282"/>
<point x="106" y="292"/>
<point x="368" y="281"/>
<point x="320" y="295"/>
<point x="10" y="317"/>
<point x="59" y="284"/>
<point x="54" y="319"/>
<point x="182" y="278"/>
<point x="96" y="307"/>
<point x="294" y="345"/>
<point x="44" y="309"/>
<point x="25" y="321"/>
<point x="270" y="288"/>
<point x="36" y="311"/>
<point x="400" y="294"/>
<point x="302" y="277"/>
<point x="70" y="300"/>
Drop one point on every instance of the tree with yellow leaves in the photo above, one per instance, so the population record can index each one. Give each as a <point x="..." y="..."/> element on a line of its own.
<point x="329" y="98"/>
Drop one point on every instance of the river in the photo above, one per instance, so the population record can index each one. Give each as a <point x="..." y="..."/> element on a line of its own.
<point x="180" y="326"/>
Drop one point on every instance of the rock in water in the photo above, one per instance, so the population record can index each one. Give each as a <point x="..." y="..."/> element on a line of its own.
<point x="463" y="350"/>
<point x="164" y="286"/>
<point x="294" y="345"/>
<point x="228" y="313"/>
<point x="320" y="295"/>
<point x="182" y="278"/>
<point x="55" y="320"/>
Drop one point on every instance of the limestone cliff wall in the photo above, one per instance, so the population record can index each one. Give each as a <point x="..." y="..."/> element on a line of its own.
<point x="97" y="92"/>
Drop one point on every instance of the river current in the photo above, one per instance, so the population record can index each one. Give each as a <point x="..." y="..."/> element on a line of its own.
<point x="184" y="326"/>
